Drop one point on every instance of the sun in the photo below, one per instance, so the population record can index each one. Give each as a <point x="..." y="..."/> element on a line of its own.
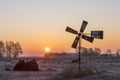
<point x="47" y="49"/>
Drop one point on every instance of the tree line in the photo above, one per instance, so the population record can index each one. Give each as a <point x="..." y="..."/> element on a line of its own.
<point x="97" y="52"/>
<point x="89" y="51"/>
<point x="10" y="49"/>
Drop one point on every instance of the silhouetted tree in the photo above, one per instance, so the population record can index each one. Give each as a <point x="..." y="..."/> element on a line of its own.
<point x="1" y="49"/>
<point x="109" y="52"/>
<point x="9" y="49"/>
<point x="118" y="52"/>
<point x="17" y="50"/>
<point x="89" y="51"/>
<point x="97" y="51"/>
<point x="84" y="51"/>
<point x="13" y="49"/>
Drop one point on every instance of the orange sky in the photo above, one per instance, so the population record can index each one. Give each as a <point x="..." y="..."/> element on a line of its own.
<point x="37" y="24"/>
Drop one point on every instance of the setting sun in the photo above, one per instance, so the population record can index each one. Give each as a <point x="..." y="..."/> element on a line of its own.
<point x="47" y="49"/>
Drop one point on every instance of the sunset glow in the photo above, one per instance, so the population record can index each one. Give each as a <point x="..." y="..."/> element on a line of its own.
<point x="47" y="49"/>
<point x="37" y="23"/>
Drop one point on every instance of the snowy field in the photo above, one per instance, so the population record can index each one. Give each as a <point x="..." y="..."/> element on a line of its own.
<point x="109" y="69"/>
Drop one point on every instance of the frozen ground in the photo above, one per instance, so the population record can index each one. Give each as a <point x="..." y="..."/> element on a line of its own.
<point x="109" y="69"/>
<point x="47" y="68"/>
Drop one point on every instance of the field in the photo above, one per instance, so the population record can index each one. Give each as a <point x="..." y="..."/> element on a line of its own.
<point x="104" y="68"/>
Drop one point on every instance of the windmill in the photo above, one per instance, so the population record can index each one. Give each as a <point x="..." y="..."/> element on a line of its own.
<point x="94" y="34"/>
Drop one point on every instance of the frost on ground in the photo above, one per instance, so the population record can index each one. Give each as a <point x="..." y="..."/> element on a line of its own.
<point x="108" y="68"/>
<point x="47" y="68"/>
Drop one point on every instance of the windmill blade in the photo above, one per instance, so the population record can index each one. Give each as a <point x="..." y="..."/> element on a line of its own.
<point x="68" y="29"/>
<point x="90" y="39"/>
<point x="74" y="45"/>
<point x="83" y="26"/>
<point x="97" y="34"/>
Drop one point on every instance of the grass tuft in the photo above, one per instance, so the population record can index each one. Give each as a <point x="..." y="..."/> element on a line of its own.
<point x="72" y="72"/>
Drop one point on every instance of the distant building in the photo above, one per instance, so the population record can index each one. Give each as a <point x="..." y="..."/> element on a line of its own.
<point x="60" y="55"/>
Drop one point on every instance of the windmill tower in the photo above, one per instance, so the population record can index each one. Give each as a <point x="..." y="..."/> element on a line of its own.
<point x="80" y="34"/>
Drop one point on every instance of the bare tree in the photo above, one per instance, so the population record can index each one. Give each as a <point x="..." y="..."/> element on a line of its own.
<point x="8" y="47"/>
<point x="109" y="52"/>
<point x="17" y="50"/>
<point x="84" y="51"/>
<point x="1" y="49"/>
<point x="118" y="52"/>
<point x="89" y="51"/>
<point x="13" y="49"/>
<point x="97" y="51"/>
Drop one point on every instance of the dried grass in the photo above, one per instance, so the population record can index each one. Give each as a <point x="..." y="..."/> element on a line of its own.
<point x="73" y="72"/>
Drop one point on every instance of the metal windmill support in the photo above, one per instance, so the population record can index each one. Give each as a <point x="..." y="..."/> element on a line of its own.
<point x="79" y="55"/>
<point x="94" y="34"/>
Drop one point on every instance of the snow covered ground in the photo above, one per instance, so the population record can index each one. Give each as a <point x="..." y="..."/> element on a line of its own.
<point x="109" y="70"/>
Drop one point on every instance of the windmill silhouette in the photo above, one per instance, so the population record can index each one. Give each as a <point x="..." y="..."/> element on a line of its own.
<point x="80" y="34"/>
